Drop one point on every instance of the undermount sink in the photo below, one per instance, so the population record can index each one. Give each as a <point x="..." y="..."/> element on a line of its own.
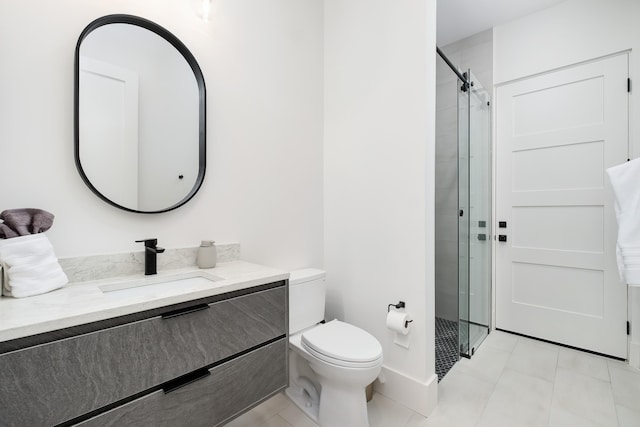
<point x="160" y="282"/>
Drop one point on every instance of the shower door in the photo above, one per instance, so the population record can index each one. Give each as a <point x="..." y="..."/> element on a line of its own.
<point x="474" y="214"/>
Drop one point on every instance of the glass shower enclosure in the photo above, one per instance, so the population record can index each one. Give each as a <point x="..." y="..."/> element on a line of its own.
<point x="463" y="232"/>
<point x="474" y="214"/>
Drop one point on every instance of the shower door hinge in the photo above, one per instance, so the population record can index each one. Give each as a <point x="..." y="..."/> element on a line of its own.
<point x="629" y="85"/>
<point x="628" y="328"/>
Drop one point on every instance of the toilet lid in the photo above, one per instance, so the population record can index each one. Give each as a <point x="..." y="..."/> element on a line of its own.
<point x="338" y="342"/>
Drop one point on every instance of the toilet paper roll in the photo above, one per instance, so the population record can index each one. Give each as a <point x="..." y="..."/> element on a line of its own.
<point x="398" y="322"/>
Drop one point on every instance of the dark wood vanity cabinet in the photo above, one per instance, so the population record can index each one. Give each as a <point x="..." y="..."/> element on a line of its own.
<point x="198" y="364"/>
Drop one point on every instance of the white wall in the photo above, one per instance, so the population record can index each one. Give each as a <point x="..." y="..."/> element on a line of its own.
<point x="263" y="66"/>
<point x="379" y="179"/>
<point x="572" y="32"/>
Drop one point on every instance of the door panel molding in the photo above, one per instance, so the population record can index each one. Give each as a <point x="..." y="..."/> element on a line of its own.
<point x="575" y="121"/>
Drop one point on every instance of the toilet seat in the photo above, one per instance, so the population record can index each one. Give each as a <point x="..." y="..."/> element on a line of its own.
<point x="342" y="344"/>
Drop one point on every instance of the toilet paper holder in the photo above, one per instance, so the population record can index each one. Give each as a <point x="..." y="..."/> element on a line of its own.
<point x="399" y="305"/>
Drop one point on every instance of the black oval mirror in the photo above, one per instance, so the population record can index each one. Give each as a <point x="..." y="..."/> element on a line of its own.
<point x="140" y="140"/>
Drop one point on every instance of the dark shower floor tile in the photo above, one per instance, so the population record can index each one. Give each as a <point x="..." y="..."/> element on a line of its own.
<point x="447" y="353"/>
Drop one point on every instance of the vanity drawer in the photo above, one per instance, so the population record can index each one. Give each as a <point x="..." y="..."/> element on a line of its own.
<point x="229" y="390"/>
<point x="55" y="382"/>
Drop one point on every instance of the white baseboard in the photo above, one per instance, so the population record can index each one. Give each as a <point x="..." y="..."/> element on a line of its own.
<point x="634" y="354"/>
<point x="421" y="397"/>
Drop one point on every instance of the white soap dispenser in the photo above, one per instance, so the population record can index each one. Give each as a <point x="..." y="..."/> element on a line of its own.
<point x="207" y="254"/>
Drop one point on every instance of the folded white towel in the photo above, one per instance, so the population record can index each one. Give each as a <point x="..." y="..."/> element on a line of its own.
<point x="632" y="275"/>
<point x="29" y="266"/>
<point x="625" y="180"/>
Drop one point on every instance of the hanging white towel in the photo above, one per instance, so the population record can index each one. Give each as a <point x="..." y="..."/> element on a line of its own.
<point x="625" y="180"/>
<point x="29" y="266"/>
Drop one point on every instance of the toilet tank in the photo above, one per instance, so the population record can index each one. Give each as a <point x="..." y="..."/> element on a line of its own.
<point x="306" y="298"/>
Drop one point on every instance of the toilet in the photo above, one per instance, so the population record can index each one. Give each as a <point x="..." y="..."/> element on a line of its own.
<point x="330" y="364"/>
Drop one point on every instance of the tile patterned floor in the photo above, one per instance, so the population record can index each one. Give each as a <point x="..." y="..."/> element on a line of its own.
<point x="447" y="350"/>
<point x="511" y="381"/>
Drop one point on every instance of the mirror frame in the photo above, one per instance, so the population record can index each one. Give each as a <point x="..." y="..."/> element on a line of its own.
<point x="193" y="64"/>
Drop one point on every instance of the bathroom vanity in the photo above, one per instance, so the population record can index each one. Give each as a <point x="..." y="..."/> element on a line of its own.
<point x="197" y="356"/>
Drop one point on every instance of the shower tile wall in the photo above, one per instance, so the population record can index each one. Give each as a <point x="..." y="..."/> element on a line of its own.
<point x="446" y="188"/>
<point x="475" y="52"/>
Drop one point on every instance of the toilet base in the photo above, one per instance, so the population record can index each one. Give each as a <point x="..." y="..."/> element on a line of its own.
<point x="304" y="401"/>
<point x="342" y="405"/>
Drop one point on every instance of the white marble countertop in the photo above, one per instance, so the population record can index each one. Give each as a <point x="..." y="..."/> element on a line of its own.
<point x="79" y="303"/>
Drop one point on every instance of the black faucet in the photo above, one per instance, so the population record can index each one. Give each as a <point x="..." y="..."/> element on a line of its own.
<point x="151" y="250"/>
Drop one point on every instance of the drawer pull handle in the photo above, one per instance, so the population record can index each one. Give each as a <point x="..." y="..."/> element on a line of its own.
<point x="186" y="310"/>
<point x="184" y="380"/>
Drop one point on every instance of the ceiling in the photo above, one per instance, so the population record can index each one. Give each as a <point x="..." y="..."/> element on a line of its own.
<point x="458" y="19"/>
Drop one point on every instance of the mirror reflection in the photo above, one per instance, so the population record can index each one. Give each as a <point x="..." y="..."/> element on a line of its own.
<point x="139" y="115"/>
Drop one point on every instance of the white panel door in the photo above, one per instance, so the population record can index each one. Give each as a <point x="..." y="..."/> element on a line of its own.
<point x="556" y="274"/>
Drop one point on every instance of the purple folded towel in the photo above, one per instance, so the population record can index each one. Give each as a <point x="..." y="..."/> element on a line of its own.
<point x="7" y="232"/>
<point x="24" y="221"/>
